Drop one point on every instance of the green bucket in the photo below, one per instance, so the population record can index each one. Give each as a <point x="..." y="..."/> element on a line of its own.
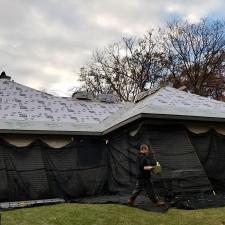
<point x="157" y="169"/>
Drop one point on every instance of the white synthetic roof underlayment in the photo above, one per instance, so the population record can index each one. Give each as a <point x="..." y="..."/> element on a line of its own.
<point x="26" y="109"/>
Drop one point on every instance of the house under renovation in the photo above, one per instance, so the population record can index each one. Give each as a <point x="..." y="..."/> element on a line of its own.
<point x="73" y="147"/>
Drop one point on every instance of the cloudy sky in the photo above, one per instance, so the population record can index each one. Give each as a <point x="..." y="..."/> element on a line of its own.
<point x="43" y="43"/>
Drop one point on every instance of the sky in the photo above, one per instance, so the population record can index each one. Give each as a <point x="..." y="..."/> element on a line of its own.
<point x="44" y="43"/>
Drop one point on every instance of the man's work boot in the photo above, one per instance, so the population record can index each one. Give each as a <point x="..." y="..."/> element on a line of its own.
<point x="159" y="204"/>
<point x="131" y="201"/>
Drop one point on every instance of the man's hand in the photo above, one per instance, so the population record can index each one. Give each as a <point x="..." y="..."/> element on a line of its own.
<point x="148" y="167"/>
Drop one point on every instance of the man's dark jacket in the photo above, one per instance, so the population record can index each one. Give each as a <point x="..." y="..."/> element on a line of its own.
<point x="142" y="161"/>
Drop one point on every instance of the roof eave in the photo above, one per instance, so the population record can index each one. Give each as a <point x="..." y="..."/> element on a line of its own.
<point x="163" y="116"/>
<point x="182" y="117"/>
<point x="123" y="123"/>
<point x="119" y="125"/>
<point x="49" y="132"/>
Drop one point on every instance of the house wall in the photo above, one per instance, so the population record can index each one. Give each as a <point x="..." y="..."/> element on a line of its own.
<point x="202" y="127"/>
<point x="24" y="140"/>
<point x="58" y="141"/>
<point x="196" y="127"/>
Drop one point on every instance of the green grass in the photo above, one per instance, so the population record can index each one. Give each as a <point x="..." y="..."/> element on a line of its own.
<point x="109" y="214"/>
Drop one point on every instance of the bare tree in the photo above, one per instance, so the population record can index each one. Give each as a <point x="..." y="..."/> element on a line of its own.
<point x="185" y="54"/>
<point x="195" y="56"/>
<point x="125" y="68"/>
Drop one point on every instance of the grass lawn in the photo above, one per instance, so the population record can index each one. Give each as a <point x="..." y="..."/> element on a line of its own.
<point x="109" y="214"/>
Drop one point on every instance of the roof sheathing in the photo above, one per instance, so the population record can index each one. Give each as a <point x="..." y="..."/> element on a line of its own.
<point x="27" y="110"/>
<point x="171" y="103"/>
<point x="23" y="108"/>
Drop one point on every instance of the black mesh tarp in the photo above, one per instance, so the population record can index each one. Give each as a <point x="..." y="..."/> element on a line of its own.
<point x="210" y="147"/>
<point x="182" y="170"/>
<point x="24" y="171"/>
<point x="180" y="163"/>
<point x="100" y="166"/>
<point x="39" y="171"/>
<point x="121" y="164"/>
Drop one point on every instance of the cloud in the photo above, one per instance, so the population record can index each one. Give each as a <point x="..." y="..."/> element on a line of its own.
<point x="44" y="43"/>
<point x="193" y="10"/>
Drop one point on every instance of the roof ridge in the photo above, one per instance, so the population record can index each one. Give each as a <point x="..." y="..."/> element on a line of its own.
<point x="27" y="87"/>
<point x="196" y="95"/>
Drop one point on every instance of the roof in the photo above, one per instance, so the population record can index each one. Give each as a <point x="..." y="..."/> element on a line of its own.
<point x="171" y="103"/>
<point x="24" y="109"/>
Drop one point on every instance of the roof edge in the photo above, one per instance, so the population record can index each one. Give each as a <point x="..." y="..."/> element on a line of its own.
<point x="114" y="127"/>
<point x="46" y="132"/>
<point x="162" y="116"/>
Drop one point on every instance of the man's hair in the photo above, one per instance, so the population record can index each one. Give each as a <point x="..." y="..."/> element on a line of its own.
<point x="144" y="146"/>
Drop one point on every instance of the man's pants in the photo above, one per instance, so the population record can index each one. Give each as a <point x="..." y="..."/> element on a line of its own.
<point x="147" y="186"/>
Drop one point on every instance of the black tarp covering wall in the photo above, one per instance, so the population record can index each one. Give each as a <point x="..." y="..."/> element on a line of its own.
<point x="210" y="147"/>
<point x="182" y="169"/>
<point x="180" y="163"/>
<point x="24" y="171"/>
<point x="107" y="165"/>
<point x="122" y="156"/>
<point x="39" y="171"/>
